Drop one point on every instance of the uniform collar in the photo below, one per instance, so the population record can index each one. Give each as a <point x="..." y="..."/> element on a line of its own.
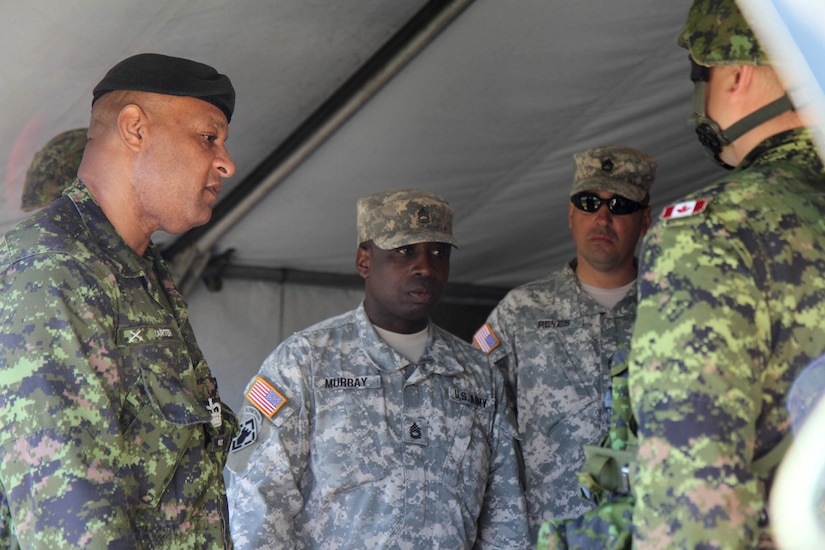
<point x="794" y="145"/>
<point x="438" y="357"/>
<point x="101" y="230"/>
<point x="586" y="304"/>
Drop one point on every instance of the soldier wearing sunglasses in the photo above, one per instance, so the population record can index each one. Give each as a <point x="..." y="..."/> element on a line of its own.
<point x="553" y="338"/>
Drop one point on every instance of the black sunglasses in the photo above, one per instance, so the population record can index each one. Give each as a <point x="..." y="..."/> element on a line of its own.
<point x="618" y="205"/>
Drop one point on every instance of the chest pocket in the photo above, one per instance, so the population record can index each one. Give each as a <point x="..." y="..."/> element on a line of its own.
<point x="467" y="464"/>
<point x="164" y="416"/>
<point x="573" y="387"/>
<point x="350" y="441"/>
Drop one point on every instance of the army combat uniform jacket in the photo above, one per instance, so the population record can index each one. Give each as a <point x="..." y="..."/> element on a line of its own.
<point x="112" y="434"/>
<point x="342" y="450"/>
<point x="731" y="309"/>
<point x="553" y="343"/>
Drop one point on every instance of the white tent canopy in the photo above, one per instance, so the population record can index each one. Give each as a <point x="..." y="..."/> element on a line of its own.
<point x="483" y="102"/>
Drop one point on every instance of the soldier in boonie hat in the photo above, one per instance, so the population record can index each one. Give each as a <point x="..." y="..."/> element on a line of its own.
<point x="53" y="168"/>
<point x="401" y="217"/>
<point x="622" y="170"/>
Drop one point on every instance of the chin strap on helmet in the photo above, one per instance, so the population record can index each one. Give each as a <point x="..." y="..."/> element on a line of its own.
<point x="710" y="135"/>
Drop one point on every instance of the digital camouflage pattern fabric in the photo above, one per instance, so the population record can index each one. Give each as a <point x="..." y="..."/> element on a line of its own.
<point x="112" y="433"/>
<point x="621" y="170"/>
<point x="731" y="310"/>
<point x="401" y="217"/>
<point x="605" y="478"/>
<point x="554" y="346"/>
<point x="716" y="33"/>
<point x="360" y="456"/>
<point x="53" y="169"/>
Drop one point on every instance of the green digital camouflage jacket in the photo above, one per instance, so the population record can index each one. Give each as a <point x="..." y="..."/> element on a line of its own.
<point x="731" y="309"/>
<point x="112" y="434"/>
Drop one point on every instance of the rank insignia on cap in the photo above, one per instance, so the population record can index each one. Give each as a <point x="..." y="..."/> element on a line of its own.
<point x="684" y="209"/>
<point x="485" y="339"/>
<point x="266" y="399"/>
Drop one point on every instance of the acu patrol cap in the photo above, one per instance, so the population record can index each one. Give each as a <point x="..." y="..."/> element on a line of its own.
<point x="53" y="168"/>
<point x="622" y="170"/>
<point x="717" y="33"/>
<point x="402" y="217"/>
<point x="162" y="74"/>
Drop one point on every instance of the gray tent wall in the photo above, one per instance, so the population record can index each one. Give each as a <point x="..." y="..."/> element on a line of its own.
<point x="241" y="313"/>
<point x="240" y="325"/>
<point x="189" y="255"/>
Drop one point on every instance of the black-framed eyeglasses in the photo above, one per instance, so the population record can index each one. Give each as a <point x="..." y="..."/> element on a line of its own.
<point x="617" y="205"/>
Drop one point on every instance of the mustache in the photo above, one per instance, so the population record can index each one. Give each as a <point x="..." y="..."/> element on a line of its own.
<point x="603" y="231"/>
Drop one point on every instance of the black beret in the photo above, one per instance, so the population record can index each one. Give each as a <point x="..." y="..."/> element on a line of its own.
<point x="162" y="74"/>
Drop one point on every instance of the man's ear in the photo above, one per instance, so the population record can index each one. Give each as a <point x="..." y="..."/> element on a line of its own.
<point x="362" y="260"/>
<point x="742" y="78"/>
<point x="132" y="124"/>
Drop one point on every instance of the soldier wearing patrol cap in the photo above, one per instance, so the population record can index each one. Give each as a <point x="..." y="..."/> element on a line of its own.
<point x="553" y="337"/>
<point x="377" y="428"/>
<point x="112" y="432"/>
<point x="731" y="303"/>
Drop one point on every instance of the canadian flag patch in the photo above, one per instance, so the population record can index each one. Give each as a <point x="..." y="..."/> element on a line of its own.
<point x="684" y="209"/>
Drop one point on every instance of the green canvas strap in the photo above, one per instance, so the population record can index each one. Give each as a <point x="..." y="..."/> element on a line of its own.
<point x="611" y="469"/>
<point x="772" y="458"/>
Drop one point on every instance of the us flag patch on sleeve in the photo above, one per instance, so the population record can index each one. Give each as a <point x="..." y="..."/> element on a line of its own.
<point x="266" y="399"/>
<point x="485" y="339"/>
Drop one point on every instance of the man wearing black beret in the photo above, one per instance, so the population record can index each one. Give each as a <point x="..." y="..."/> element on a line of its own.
<point x="112" y="431"/>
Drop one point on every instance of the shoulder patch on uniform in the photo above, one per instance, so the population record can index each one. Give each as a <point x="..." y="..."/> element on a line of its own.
<point x="485" y="339"/>
<point x="266" y="399"/>
<point x="249" y="429"/>
<point x="684" y="209"/>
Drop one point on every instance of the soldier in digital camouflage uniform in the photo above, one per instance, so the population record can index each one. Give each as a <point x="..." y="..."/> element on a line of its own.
<point x="553" y="338"/>
<point x="376" y="428"/>
<point x="53" y="169"/>
<point x="112" y="432"/>
<point x="731" y="305"/>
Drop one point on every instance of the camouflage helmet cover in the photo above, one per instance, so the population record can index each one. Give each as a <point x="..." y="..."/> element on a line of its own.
<point x="717" y="33"/>
<point x="53" y="168"/>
